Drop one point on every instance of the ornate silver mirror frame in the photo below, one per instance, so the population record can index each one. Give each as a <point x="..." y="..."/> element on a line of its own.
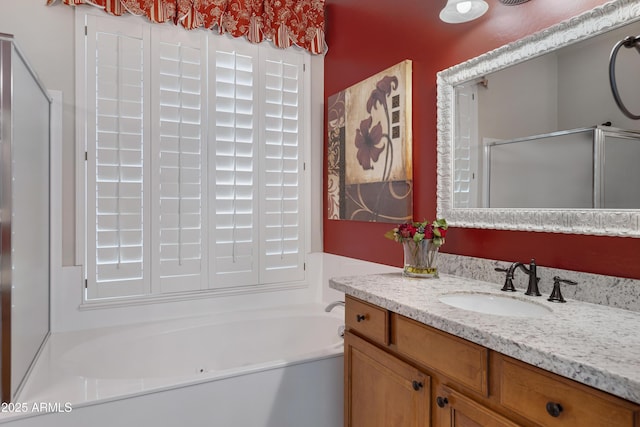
<point x="596" y="221"/>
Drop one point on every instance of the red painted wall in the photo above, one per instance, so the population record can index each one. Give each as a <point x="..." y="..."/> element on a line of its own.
<point x="365" y="37"/>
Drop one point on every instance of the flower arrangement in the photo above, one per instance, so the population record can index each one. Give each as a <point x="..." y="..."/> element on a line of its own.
<point x="418" y="231"/>
<point x="420" y="242"/>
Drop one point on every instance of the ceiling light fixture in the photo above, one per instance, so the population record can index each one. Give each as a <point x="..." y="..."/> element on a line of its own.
<point x="457" y="11"/>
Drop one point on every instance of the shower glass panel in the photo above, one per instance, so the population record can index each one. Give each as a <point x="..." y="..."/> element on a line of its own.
<point x="544" y="171"/>
<point x="24" y="215"/>
<point x="621" y="172"/>
<point x="575" y="169"/>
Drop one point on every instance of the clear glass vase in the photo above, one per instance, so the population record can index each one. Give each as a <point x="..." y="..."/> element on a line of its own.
<point x="420" y="258"/>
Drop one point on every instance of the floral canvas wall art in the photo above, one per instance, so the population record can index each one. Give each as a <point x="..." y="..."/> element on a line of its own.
<point x="369" y="148"/>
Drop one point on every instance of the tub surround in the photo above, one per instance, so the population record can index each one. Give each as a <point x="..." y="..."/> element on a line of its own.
<point x="593" y="344"/>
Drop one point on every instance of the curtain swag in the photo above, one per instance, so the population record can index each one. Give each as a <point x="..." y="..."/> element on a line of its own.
<point x="285" y="22"/>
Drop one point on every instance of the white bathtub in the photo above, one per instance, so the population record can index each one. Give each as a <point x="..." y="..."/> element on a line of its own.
<point x="275" y="368"/>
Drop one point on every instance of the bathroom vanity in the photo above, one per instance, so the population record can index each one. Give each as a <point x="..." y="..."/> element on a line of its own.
<point x="413" y="360"/>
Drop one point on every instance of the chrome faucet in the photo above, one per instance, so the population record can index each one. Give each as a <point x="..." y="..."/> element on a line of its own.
<point x="532" y="289"/>
<point x="333" y="305"/>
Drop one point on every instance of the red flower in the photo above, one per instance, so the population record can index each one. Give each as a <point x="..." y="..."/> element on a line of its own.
<point x="428" y="231"/>
<point x="419" y="231"/>
<point x="407" y="230"/>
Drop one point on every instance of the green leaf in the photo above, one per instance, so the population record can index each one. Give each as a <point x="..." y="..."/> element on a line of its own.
<point x="441" y="223"/>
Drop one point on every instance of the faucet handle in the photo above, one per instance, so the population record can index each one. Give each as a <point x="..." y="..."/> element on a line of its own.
<point x="508" y="282"/>
<point x="556" y="295"/>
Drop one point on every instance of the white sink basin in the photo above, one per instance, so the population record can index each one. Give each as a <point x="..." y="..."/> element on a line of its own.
<point x="495" y="304"/>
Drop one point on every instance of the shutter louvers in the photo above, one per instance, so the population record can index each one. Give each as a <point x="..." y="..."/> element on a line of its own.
<point x="117" y="147"/>
<point x="236" y="259"/>
<point x="282" y="212"/>
<point x="179" y="168"/>
<point x="194" y="166"/>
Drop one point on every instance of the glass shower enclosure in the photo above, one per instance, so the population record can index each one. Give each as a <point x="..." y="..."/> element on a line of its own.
<point x="24" y="216"/>
<point x="583" y="168"/>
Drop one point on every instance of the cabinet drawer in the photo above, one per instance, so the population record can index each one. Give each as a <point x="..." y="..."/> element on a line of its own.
<point x="537" y="394"/>
<point x="368" y="320"/>
<point x="454" y="357"/>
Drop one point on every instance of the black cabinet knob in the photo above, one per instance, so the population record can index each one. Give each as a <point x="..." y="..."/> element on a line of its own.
<point x="360" y="317"/>
<point x="554" y="409"/>
<point x="417" y="385"/>
<point x="442" y="401"/>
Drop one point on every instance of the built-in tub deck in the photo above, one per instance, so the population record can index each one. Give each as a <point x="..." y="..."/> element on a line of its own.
<point x="91" y="368"/>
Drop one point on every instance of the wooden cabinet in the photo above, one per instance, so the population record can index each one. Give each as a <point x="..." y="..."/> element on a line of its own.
<point x="399" y="372"/>
<point x="382" y="391"/>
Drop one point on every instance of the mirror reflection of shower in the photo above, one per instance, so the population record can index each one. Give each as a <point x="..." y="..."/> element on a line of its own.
<point x="628" y="42"/>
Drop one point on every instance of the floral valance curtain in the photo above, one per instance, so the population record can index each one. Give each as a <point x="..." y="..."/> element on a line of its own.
<point x="285" y="22"/>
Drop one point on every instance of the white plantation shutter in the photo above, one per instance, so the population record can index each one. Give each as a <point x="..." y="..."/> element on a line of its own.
<point x="236" y="245"/>
<point x="194" y="160"/>
<point x="179" y="159"/>
<point x="282" y="213"/>
<point x="117" y="209"/>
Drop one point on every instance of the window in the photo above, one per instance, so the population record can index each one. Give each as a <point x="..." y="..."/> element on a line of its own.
<point x="194" y="160"/>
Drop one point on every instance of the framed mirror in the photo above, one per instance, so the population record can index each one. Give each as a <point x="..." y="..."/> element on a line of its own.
<point x="530" y="137"/>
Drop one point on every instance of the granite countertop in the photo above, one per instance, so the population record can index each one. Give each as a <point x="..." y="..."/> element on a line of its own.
<point x="593" y="344"/>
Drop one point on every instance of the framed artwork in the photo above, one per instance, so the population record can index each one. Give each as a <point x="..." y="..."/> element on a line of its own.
<point x="370" y="172"/>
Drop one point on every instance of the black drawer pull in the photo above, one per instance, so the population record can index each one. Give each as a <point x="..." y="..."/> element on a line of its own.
<point x="360" y="317"/>
<point x="417" y="385"/>
<point x="554" y="409"/>
<point x="441" y="401"/>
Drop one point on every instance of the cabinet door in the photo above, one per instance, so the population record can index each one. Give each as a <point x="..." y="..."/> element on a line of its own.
<point x="382" y="391"/>
<point x="456" y="410"/>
